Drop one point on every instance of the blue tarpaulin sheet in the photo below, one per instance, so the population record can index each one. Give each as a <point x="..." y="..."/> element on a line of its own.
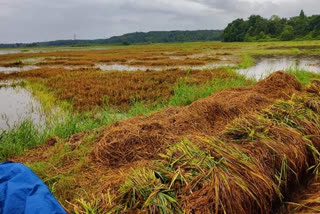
<point x="21" y="191"/>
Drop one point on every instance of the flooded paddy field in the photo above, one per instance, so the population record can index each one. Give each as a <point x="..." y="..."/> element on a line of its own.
<point x="89" y="78"/>
<point x="124" y="105"/>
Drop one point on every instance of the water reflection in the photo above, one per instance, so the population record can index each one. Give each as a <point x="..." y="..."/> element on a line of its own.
<point x="268" y="64"/>
<point x="16" y="105"/>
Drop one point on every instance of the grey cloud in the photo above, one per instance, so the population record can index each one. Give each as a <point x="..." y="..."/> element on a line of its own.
<point x="42" y="20"/>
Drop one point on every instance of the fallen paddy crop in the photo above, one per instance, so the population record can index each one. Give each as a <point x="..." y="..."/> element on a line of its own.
<point x="75" y="92"/>
<point x="87" y="89"/>
<point x="242" y="161"/>
<point x="208" y="115"/>
<point x="153" y="55"/>
<point x="306" y="201"/>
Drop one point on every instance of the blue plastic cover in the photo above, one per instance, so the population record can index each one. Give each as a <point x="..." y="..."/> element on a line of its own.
<point x="21" y="191"/>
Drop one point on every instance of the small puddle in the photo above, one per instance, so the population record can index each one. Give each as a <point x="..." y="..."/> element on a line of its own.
<point x="269" y="64"/>
<point x="16" y="105"/>
<point x="18" y="69"/>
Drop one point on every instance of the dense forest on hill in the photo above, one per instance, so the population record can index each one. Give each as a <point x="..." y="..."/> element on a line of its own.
<point x="257" y="28"/>
<point x="134" y="38"/>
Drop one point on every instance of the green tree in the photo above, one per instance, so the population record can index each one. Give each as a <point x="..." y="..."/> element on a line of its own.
<point x="276" y="25"/>
<point x="287" y="33"/>
<point x="261" y="36"/>
<point x="275" y="28"/>
<point x="302" y="15"/>
<point x="248" y="38"/>
<point x="235" y="31"/>
<point x="315" y="26"/>
<point x="259" y="24"/>
<point x="275" y="18"/>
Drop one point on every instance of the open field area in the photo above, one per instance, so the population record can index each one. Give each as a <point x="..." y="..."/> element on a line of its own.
<point x="203" y="127"/>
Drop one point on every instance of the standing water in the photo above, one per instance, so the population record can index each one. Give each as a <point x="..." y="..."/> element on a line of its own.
<point x="17" y="69"/>
<point x="268" y="64"/>
<point x="17" y="105"/>
<point x="118" y="67"/>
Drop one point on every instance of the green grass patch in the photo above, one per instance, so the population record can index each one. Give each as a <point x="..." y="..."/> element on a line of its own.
<point x="247" y="61"/>
<point x="185" y="94"/>
<point x="20" y="138"/>
<point x="46" y="98"/>
<point x="303" y="76"/>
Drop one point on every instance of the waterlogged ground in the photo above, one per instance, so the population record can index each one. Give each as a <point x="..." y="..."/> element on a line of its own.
<point x="18" y="104"/>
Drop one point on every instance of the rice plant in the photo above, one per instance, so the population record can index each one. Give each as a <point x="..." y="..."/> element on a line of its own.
<point x="143" y="190"/>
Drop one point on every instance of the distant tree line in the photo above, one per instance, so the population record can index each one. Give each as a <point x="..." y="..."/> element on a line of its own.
<point x="134" y="38"/>
<point x="257" y="28"/>
<point x="168" y="36"/>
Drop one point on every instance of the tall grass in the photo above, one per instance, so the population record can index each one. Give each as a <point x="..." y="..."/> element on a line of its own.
<point x="20" y="138"/>
<point x="247" y="61"/>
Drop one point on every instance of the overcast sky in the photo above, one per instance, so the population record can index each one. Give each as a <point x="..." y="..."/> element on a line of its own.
<point x="43" y="20"/>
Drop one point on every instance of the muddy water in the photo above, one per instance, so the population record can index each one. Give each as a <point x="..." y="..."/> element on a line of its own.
<point x="16" y="105"/>
<point x="268" y="64"/>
